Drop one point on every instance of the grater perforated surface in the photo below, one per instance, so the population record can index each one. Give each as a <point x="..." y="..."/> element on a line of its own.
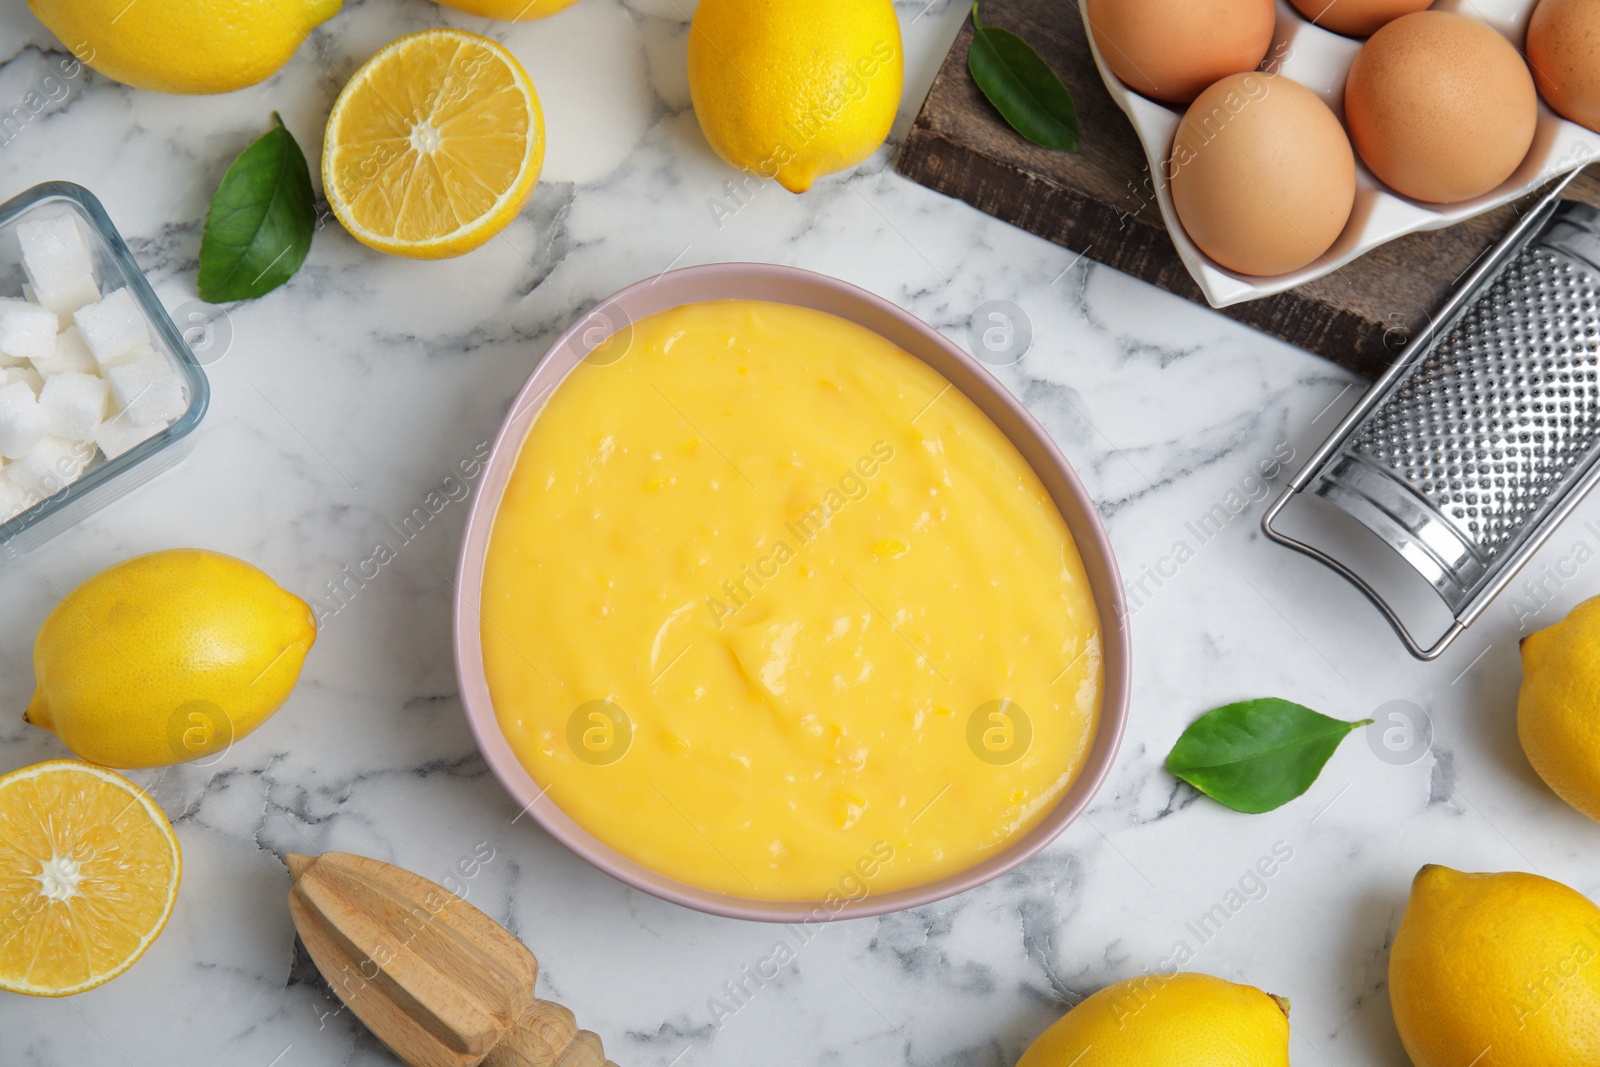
<point x="1507" y="405"/>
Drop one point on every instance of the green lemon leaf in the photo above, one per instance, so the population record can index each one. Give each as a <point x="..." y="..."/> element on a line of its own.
<point x="262" y="216"/>
<point x="1022" y="87"/>
<point x="1257" y="755"/>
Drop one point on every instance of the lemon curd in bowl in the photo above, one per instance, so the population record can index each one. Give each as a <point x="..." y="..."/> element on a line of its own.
<point x="768" y="607"/>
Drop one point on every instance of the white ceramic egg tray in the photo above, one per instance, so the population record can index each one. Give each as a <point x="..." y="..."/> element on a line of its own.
<point x="1319" y="60"/>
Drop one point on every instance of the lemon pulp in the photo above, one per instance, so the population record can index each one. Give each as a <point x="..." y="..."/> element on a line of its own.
<point x="89" y="871"/>
<point x="769" y="607"/>
<point x="434" y="145"/>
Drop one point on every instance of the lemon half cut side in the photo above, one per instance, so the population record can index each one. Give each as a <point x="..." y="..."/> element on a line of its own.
<point x="434" y="145"/>
<point x="89" y="872"/>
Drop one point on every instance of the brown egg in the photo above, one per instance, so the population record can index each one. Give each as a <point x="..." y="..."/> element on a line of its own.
<point x="1440" y="106"/>
<point x="1564" y="52"/>
<point x="1357" y="18"/>
<point x="1262" y="174"/>
<point x="1172" y="49"/>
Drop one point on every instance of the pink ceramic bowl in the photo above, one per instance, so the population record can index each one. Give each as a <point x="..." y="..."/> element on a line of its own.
<point x="602" y="334"/>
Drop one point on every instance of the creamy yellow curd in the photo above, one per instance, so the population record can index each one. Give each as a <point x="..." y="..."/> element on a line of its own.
<point x="772" y="609"/>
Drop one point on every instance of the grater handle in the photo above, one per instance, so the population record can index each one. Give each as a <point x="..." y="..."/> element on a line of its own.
<point x="1413" y="646"/>
<point x="1386" y="384"/>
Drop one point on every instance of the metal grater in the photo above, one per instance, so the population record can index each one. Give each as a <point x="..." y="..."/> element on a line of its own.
<point x="1465" y="455"/>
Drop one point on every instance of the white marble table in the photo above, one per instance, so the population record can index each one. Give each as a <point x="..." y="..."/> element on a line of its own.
<point x="344" y="398"/>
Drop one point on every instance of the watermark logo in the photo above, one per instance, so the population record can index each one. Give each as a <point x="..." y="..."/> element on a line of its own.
<point x="206" y="329"/>
<point x="1552" y="979"/>
<point x="802" y="530"/>
<point x="853" y="886"/>
<point x="999" y="732"/>
<point x="599" y="732"/>
<point x="1199" y="129"/>
<point x="850" y="84"/>
<point x="604" y="336"/>
<point x="1142" y="583"/>
<point x="469" y="867"/>
<point x="1401" y="733"/>
<point x="61" y="82"/>
<point x="1000" y="333"/>
<point x="1543" y="584"/>
<point x="455" y="487"/>
<point x="1253" y="884"/>
<point x="197" y="729"/>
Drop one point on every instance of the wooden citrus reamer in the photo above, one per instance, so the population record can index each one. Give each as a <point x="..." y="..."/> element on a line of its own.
<point x="437" y="980"/>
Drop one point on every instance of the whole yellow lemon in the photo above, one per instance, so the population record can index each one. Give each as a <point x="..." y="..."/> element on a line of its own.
<point x="184" y="46"/>
<point x="510" y="10"/>
<point x="1496" y="970"/>
<point x="167" y="658"/>
<point x="793" y="89"/>
<point x="1170" y="1020"/>
<point x="1556" y="718"/>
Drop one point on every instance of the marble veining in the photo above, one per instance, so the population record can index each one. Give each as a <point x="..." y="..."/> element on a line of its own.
<point x="342" y="400"/>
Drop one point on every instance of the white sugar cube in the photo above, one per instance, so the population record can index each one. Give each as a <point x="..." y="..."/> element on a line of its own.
<point x="32" y="298"/>
<point x="26" y="374"/>
<point x="69" y="296"/>
<point x="62" y="321"/>
<point x="71" y="355"/>
<point x="49" y="466"/>
<point x="59" y="263"/>
<point x="6" y="359"/>
<point x="23" y="422"/>
<point x="114" y="329"/>
<point x="55" y="242"/>
<point x="76" y="403"/>
<point x="13" y="501"/>
<point x="148" y="391"/>
<point x="118" y="434"/>
<point x="27" y="331"/>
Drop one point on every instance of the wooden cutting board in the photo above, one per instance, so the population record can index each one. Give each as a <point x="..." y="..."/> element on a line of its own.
<point x="1098" y="201"/>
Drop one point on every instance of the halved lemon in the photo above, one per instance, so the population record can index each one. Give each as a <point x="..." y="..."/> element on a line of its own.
<point x="89" y="871"/>
<point x="434" y="145"/>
